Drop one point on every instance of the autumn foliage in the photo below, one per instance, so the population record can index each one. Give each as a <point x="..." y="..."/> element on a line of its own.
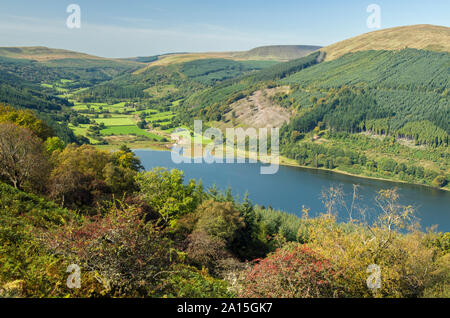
<point x="293" y="271"/>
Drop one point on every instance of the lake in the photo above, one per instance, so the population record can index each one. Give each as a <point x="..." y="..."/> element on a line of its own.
<point x="293" y="187"/>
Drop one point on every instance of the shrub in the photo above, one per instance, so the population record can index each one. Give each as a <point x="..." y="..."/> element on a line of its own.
<point x="26" y="269"/>
<point x="293" y="271"/>
<point x="219" y="219"/>
<point x="440" y="181"/>
<point x="188" y="282"/>
<point x="23" y="162"/>
<point x="166" y="192"/>
<point x="205" y="250"/>
<point x="126" y="256"/>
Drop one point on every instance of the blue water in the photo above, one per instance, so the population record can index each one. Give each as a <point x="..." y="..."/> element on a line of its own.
<point x="293" y="187"/>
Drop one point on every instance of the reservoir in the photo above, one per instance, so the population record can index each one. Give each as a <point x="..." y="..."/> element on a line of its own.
<point x="293" y="187"/>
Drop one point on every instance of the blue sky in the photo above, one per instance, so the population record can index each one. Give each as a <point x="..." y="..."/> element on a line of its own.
<point x="146" y="27"/>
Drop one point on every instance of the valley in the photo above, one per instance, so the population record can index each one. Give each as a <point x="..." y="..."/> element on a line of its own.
<point x="212" y="152"/>
<point x="328" y="104"/>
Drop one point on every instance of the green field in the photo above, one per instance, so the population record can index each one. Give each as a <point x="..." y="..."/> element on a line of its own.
<point x="116" y="121"/>
<point x="121" y="120"/>
<point x="128" y="130"/>
<point x="96" y="107"/>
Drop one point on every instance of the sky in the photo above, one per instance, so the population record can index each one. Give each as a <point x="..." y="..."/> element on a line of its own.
<point x="129" y="28"/>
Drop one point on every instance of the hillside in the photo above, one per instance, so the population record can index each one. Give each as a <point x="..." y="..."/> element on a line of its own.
<point x="278" y="52"/>
<point x="215" y="102"/>
<point x="40" y="79"/>
<point x="45" y="54"/>
<point x="172" y="81"/>
<point x="388" y="109"/>
<point x="44" y="65"/>
<point x="41" y="53"/>
<point x="423" y="36"/>
<point x="406" y="85"/>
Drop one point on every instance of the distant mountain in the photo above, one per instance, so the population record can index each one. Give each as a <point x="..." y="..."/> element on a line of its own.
<point x="278" y="52"/>
<point x="41" y="54"/>
<point x="398" y="77"/>
<point x="40" y="65"/>
<point x="37" y="78"/>
<point x="422" y="36"/>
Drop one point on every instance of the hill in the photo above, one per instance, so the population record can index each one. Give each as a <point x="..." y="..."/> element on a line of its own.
<point x="215" y="102"/>
<point x="42" y="65"/>
<point x="401" y="87"/>
<point x="41" y="53"/>
<point x="40" y="79"/>
<point x="387" y="108"/>
<point x="278" y="52"/>
<point x="163" y="83"/>
<point x="45" y="54"/>
<point x="422" y="36"/>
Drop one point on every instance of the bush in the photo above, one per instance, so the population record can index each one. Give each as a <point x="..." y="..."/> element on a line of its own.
<point x="166" y="192"/>
<point x="26" y="269"/>
<point x="188" y="282"/>
<point x="293" y="271"/>
<point x="127" y="256"/>
<point x="219" y="219"/>
<point x="440" y="181"/>
<point x="23" y="161"/>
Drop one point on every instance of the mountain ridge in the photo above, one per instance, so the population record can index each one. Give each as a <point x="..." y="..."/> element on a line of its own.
<point x="43" y="53"/>
<point x="419" y="36"/>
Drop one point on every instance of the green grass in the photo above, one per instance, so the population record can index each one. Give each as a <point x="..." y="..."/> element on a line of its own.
<point x="127" y="130"/>
<point x="81" y="130"/>
<point x="164" y="115"/>
<point x="119" y="124"/>
<point x="116" y="121"/>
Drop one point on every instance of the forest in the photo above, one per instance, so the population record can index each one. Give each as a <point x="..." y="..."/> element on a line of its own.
<point x="399" y="96"/>
<point x="212" y="103"/>
<point x="24" y="84"/>
<point x="136" y="233"/>
<point x="177" y="80"/>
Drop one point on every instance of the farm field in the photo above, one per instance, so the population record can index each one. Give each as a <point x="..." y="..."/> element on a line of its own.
<point x="122" y="120"/>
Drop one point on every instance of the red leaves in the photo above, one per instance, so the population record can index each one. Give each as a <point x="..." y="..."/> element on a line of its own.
<point x="293" y="271"/>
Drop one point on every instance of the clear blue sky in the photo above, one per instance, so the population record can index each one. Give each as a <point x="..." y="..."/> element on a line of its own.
<point x="147" y="27"/>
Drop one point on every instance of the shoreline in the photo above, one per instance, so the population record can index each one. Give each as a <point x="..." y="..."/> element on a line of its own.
<point x="283" y="162"/>
<point x="365" y="177"/>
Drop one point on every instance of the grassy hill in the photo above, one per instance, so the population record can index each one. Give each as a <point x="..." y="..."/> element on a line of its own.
<point x="41" y="78"/>
<point x="172" y="81"/>
<point x="278" y="52"/>
<point x="44" y="65"/>
<point x="388" y="108"/>
<point x="423" y="36"/>
<point x="214" y="102"/>
<point x="41" y="53"/>
<point x="45" y="54"/>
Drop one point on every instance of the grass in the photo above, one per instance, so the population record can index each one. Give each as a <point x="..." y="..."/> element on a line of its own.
<point x="159" y="91"/>
<point x="427" y="37"/>
<point x="128" y="130"/>
<point x="82" y="130"/>
<point x="159" y="116"/>
<point x="121" y="122"/>
<point x="116" y="121"/>
<point x="59" y="86"/>
<point x="96" y="107"/>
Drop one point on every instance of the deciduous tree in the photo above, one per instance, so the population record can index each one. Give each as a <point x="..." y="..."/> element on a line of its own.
<point x="22" y="158"/>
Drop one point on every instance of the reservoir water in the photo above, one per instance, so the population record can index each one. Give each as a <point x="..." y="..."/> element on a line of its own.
<point x="294" y="187"/>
